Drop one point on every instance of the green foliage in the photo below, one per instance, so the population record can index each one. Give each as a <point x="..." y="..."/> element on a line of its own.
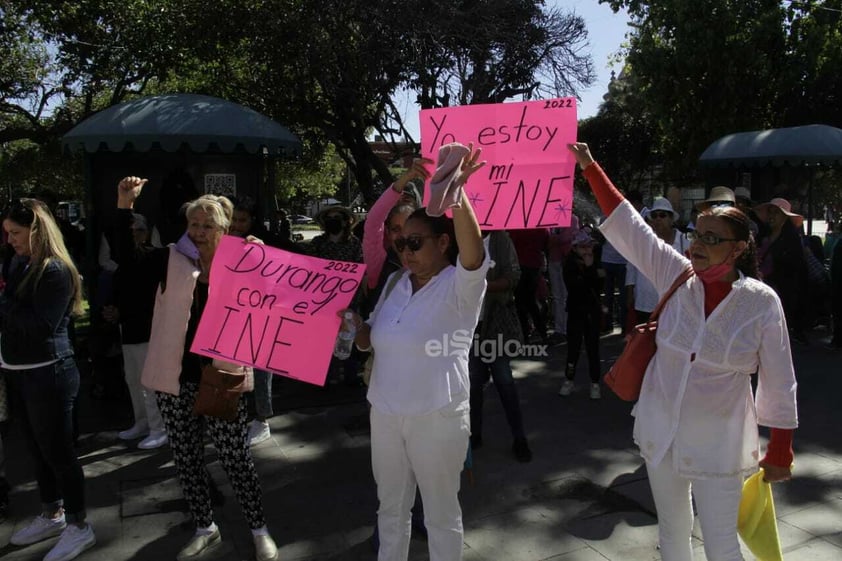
<point x="314" y="175"/>
<point x="701" y="70"/>
<point x="623" y="136"/>
<point x="27" y="167"/>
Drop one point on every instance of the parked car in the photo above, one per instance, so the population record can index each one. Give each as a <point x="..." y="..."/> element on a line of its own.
<point x="300" y="219"/>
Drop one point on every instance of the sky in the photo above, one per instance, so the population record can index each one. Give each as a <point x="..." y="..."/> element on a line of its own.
<point x="606" y="33"/>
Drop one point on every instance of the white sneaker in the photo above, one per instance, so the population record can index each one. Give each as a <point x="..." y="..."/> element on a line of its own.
<point x="265" y="548"/>
<point x="258" y="432"/>
<point x="566" y="388"/>
<point x="136" y="431"/>
<point x="596" y="392"/>
<point x="38" y="530"/>
<point x="73" y="541"/>
<point x="154" y="440"/>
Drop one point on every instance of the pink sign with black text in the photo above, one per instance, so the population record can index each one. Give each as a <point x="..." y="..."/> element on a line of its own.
<point x="274" y="310"/>
<point x="528" y="180"/>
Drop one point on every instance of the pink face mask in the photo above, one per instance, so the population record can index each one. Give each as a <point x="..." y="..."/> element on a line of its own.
<point x="715" y="272"/>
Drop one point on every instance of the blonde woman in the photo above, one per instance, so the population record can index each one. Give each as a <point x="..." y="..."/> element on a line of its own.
<point x="43" y="290"/>
<point x="183" y="270"/>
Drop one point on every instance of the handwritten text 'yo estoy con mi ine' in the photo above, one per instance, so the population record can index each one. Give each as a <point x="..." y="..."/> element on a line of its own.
<point x="528" y="179"/>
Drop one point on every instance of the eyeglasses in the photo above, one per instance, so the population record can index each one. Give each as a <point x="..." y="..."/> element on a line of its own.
<point x="708" y="239"/>
<point x="660" y="214"/>
<point x="412" y="243"/>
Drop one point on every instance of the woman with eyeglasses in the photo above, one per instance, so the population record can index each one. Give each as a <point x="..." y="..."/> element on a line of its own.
<point x="696" y="421"/>
<point x="43" y="290"/>
<point x="419" y="392"/>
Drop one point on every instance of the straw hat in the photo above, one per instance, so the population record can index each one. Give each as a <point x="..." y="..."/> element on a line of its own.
<point x="762" y="210"/>
<point x="718" y="195"/>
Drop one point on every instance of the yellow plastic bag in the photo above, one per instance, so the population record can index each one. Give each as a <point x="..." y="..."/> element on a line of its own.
<point x="756" y="522"/>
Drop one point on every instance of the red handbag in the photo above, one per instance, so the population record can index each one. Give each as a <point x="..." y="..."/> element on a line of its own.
<point x="625" y="378"/>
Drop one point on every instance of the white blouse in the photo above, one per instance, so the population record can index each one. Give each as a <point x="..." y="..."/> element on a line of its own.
<point x="696" y="395"/>
<point x="421" y="341"/>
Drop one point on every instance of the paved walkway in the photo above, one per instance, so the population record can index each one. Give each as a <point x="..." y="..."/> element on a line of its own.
<point x="584" y="497"/>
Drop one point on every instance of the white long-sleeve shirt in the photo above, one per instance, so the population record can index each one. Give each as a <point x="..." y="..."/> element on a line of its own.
<point x="421" y="341"/>
<point x="696" y="395"/>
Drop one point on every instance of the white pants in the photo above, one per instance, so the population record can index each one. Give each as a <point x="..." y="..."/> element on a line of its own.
<point x="559" y="290"/>
<point x="427" y="450"/>
<point x="144" y="403"/>
<point x="717" y="502"/>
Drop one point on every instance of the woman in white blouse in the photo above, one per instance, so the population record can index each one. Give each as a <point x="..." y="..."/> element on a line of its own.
<point x="696" y="420"/>
<point x="421" y="334"/>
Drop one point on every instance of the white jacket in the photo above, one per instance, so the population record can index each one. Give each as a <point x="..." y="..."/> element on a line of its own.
<point x="696" y="395"/>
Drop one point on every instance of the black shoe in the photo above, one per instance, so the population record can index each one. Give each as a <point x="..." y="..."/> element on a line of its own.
<point x="476" y="441"/>
<point x="521" y="450"/>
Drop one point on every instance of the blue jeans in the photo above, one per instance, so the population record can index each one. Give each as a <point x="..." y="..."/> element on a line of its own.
<point x="44" y="398"/>
<point x="501" y="372"/>
<point x="263" y="394"/>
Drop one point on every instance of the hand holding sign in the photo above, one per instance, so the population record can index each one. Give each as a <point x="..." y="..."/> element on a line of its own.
<point x="529" y="180"/>
<point x="274" y="310"/>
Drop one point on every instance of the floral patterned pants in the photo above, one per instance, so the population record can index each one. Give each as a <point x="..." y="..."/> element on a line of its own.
<point x="186" y="433"/>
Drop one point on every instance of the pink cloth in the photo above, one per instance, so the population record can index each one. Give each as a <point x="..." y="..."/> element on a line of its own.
<point x="444" y="193"/>
<point x="374" y="231"/>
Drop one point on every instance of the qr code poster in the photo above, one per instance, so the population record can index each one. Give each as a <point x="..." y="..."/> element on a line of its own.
<point x="221" y="184"/>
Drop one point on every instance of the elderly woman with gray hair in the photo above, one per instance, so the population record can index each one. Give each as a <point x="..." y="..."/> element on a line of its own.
<point x="183" y="271"/>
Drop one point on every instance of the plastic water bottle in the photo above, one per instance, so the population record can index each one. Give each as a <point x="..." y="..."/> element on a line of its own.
<point x="345" y="340"/>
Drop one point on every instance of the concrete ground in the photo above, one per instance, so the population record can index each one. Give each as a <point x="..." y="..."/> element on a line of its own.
<point x="584" y="497"/>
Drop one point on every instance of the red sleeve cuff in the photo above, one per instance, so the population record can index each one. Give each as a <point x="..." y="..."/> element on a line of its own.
<point x="779" y="451"/>
<point x="606" y="194"/>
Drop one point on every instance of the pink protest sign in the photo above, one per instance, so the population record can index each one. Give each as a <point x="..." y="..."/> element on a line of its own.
<point x="528" y="180"/>
<point x="274" y="310"/>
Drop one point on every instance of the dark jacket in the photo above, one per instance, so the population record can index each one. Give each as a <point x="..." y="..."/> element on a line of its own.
<point x="34" y="319"/>
<point x="135" y="283"/>
<point x="583" y="285"/>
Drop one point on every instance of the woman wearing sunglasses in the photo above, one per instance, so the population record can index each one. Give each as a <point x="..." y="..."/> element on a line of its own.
<point x="696" y="421"/>
<point x="43" y="289"/>
<point x="419" y="390"/>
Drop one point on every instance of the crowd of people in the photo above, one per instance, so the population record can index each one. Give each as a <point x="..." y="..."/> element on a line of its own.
<point x="428" y="277"/>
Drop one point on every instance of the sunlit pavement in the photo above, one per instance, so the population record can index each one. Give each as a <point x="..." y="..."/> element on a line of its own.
<point x="584" y="496"/>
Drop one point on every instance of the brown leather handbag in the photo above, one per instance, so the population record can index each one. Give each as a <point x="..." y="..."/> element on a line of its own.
<point x="626" y="375"/>
<point x="219" y="393"/>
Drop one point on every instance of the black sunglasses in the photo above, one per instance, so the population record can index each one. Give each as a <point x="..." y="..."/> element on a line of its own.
<point x="21" y="211"/>
<point x="721" y="203"/>
<point x="413" y="243"/>
<point x="660" y="214"/>
<point x="708" y="239"/>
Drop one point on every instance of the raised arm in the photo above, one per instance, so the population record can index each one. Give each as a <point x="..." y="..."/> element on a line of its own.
<point x="625" y="229"/>
<point x="374" y="254"/>
<point x="468" y="235"/>
<point x="123" y="252"/>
